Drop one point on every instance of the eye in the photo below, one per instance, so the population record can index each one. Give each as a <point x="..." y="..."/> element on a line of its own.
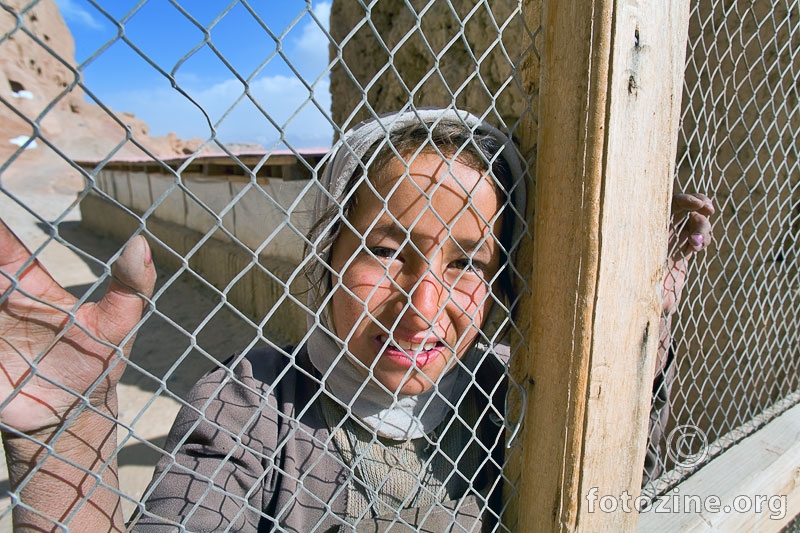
<point x="468" y="264"/>
<point x="383" y="252"/>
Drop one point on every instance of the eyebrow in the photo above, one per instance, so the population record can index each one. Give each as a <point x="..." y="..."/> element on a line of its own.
<point x="393" y="230"/>
<point x="472" y="246"/>
<point x="389" y="229"/>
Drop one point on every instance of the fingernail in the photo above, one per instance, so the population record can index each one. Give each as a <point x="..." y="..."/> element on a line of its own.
<point x="148" y="254"/>
<point x="697" y="239"/>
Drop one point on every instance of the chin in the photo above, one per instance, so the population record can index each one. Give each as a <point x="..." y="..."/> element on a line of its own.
<point x="414" y="385"/>
<point x="412" y="389"/>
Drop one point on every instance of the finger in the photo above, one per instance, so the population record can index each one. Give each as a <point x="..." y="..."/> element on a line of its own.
<point x="134" y="270"/>
<point x="13" y="255"/>
<point x="683" y="203"/>
<point x="698" y="232"/>
<point x="694" y="235"/>
<point x="692" y="229"/>
<point x="134" y="278"/>
<point x="11" y="248"/>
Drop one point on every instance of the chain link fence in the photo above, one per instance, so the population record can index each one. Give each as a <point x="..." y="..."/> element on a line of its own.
<point x="228" y="227"/>
<point x="264" y="440"/>
<point x="737" y="341"/>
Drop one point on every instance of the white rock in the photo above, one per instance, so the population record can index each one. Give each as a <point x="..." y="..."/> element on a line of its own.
<point x="22" y="139"/>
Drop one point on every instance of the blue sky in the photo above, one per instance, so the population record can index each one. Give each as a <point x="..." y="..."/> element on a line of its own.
<point x="288" y="82"/>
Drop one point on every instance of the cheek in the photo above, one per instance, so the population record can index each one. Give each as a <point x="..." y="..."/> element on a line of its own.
<point x="344" y="310"/>
<point x="362" y="288"/>
<point x="472" y="308"/>
<point x="474" y="301"/>
<point x="366" y="280"/>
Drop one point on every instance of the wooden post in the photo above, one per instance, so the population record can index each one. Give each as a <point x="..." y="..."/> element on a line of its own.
<point x="609" y="104"/>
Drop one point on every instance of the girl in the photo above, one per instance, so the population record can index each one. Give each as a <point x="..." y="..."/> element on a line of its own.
<point x="405" y="264"/>
<point x="390" y="412"/>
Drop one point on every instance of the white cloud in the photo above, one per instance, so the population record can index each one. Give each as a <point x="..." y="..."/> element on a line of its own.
<point x="310" y="51"/>
<point x="77" y="15"/>
<point x="286" y="103"/>
<point x="285" y="100"/>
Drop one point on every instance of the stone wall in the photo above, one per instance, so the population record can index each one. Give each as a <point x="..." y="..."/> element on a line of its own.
<point x="242" y="234"/>
<point x="261" y="287"/>
<point x="267" y="217"/>
<point x="431" y="54"/>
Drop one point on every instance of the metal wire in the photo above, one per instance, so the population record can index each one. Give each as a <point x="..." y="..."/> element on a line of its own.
<point x="230" y="245"/>
<point x="736" y="341"/>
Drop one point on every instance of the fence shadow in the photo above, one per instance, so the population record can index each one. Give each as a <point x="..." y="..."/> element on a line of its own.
<point x="187" y="332"/>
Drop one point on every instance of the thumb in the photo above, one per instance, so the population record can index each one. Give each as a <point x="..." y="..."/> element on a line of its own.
<point x="133" y="271"/>
<point x="134" y="277"/>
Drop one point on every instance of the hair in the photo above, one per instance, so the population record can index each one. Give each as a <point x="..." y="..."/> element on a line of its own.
<point x="453" y="141"/>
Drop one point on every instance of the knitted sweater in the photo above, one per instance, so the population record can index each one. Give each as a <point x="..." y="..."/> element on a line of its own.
<point x="254" y="451"/>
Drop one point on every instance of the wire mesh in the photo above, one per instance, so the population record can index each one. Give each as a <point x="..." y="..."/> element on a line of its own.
<point x="260" y="439"/>
<point x="228" y="227"/>
<point x="736" y="342"/>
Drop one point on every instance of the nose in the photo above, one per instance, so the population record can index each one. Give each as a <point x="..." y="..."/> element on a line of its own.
<point x="426" y="297"/>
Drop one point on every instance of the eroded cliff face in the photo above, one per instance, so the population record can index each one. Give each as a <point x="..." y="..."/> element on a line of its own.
<point x="39" y="82"/>
<point x="431" y="54"/>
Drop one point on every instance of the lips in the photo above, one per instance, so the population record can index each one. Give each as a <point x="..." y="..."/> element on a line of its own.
<point x="408" y="353"/>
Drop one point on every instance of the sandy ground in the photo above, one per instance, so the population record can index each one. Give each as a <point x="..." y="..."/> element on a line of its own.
<point x="177" y="343"/>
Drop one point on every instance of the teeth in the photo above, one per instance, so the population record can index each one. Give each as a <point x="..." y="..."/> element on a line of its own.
<point x="415" y="346"/>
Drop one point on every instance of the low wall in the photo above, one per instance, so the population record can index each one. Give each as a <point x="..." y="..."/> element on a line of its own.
<point x="255" y="285"/>
<point x="243" y="235"/>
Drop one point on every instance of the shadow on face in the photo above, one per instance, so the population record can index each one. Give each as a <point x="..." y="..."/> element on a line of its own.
<point x="416" y="269"/>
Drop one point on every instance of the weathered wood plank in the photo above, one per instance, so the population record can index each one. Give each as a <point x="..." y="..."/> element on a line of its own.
<point x="753" y="486"/>
<point x="610" y="93"/>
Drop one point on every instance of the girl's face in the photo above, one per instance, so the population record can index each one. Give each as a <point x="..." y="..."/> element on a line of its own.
<point x="415" y="276"/>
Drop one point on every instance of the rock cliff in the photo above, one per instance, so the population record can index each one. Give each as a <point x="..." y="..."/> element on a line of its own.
<point x="44" y="101"/>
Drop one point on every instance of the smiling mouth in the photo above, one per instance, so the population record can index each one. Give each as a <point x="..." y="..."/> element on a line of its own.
<point x="419" y="352"/>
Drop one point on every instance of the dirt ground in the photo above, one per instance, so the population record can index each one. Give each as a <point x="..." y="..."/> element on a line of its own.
<point x="181" y="339"/>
